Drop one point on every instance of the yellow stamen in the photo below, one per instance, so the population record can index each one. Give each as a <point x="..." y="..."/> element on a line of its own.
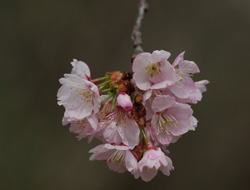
<point x="117" y="157"/>
<point x="166" y="123"/>
<point x="86" y="95"/>
<point x="153" y="69"/>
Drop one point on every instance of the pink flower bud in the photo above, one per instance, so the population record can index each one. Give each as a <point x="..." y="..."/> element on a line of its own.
<point x="124" y="101"/>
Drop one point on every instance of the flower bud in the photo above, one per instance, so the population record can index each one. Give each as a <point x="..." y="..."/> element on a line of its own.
<point x="124" y="101"/>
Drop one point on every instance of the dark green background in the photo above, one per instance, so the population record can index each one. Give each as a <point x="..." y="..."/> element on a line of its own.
<point x="38" y="39"/>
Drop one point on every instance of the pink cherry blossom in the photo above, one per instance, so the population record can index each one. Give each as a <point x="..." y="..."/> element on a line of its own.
<point x="171" y="119"/>
<point x="152" y="161"/>
<point x="118" y="157"/>
<point x="185" y="89"/>
<point x="153" y="71"/>
<point x="80" y="97"/>
<point x="124" y="101"/>
<point x="118" y="128"/>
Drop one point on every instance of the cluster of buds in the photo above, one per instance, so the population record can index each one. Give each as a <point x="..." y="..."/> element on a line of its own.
<point x="136" y="115"/>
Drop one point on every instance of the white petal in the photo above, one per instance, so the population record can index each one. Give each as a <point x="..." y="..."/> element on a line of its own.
<point x="80" y="68"/>
<point x="159" y="55"/>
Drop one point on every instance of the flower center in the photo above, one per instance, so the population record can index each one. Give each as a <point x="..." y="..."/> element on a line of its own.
<point x="153" y="69"/>
<point x="117" y="157"/>
<point x="86" y="95"/>
<point x="166" y="123"/>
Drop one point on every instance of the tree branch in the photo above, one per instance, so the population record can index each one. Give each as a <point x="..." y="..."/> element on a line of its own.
<point x="136" y="33"/>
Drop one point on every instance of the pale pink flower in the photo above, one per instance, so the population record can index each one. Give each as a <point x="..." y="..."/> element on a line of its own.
<point x="80" y="97"/>
<point x="118" y="157"/>
<point x="87" y="127"/>
<point x="153" y="71"/>
<point x="118" y="128"/>
<point x="80" y="68"/>
<point x="124" y="101"/>
<point x="185" y="89"/>
<point x="152" y="161"/>
<point x="171" y="119"/>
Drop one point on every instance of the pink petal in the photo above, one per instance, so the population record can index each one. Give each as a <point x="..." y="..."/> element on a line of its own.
<point x="111" y="133"/>
<point x="182" y="127"/>
<point x="93" y="121"/>
<point x="180" y="111"/>
<point x="130" y="162"/>
<point x="141" y="79"/>
<point x="129" y="132"/>
<point x="201" y="85"/>
<point x="178" y="59"/>
<point x="159" y="55"/>
<point x="140" y="76"/>
<point x="100" y="152"/>
<point x="162" y="102"/>
<point x="182" y="89"/>
<point x="141" y="61"/>
<point x="189" y="67"/>
<point x="148" y="174"/>
<point x="117" y="167"/>
<point x="167" y="168"/>
<point x="185" y="66"/>
<point x="147" y="95"/>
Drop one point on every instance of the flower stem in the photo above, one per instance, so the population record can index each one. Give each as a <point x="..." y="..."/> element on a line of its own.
<point x="114" y="102"/>
<point x="104" y="83"/>
<point x="145" y="137"/>
<point x="106" y="90"/>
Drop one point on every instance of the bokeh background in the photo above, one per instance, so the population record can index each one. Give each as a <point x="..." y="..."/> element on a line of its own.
<point x="39" y="38"/>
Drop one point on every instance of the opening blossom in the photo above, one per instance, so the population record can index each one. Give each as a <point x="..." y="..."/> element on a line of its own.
<point x="170" y="119"/>
<point x="153" y="71"/>
<point x="118" y="127"/>
<point x="136" y="115"/>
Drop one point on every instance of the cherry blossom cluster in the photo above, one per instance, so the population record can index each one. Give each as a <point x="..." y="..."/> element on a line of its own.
<point x="136" y="115"/>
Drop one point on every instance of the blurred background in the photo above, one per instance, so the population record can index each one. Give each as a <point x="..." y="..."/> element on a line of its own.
<point x="39" y="38"/>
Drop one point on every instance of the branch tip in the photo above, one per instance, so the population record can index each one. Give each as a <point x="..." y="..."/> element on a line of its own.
<point x="136" y="33"/>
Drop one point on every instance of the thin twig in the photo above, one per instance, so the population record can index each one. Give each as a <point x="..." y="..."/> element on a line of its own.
<point x="136" y="33"/>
